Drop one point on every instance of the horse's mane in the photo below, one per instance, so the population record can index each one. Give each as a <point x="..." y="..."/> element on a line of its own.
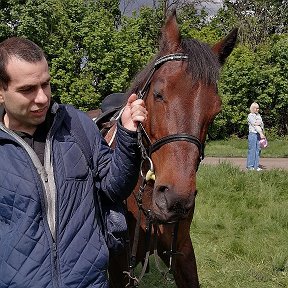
<point x="203" y="64"/>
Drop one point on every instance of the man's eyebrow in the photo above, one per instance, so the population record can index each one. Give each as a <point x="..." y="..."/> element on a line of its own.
<point x="26" y="86"/>
<point x="23" y="87"/>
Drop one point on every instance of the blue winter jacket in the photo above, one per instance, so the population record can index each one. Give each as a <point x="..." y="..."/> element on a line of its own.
<point x="49" y="236"/>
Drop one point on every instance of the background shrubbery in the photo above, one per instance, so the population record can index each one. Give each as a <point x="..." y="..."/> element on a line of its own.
<point x="94" y="50"/>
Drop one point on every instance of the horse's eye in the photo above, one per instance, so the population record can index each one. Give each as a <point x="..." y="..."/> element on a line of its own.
<point x="157" y="96"/>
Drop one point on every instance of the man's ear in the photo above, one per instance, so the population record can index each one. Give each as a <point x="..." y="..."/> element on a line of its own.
<point x="1" y="95"/>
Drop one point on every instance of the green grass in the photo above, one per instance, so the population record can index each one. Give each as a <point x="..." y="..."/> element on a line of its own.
<point x="239" y="230"/>
<point x="236" y="147"/>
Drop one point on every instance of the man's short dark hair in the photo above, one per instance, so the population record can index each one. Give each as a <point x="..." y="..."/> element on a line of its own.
<point x="20" y="48"/>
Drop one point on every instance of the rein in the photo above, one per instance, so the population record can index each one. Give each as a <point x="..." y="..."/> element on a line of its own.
<point x="146" y="153"/>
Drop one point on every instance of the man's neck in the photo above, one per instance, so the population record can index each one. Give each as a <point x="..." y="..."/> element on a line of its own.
<point x="27" y="129"/>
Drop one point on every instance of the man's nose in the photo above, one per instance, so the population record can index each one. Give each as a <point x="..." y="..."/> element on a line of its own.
<point x="41" y="96"/>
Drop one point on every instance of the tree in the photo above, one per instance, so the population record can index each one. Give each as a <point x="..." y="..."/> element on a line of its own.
<point x="257" y="19"/>
<point x="78" y="37"/>
<point x="93" y="52"/>
<point x="250" y="76"/>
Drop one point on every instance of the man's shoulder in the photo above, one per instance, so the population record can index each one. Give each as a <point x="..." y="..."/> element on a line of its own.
<point x="74" y="112"/>
<point x="78" y="120"/>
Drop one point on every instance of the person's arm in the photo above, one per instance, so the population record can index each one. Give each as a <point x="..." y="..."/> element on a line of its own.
<point x="260" y="131"/>
<point x="118" y="169"/>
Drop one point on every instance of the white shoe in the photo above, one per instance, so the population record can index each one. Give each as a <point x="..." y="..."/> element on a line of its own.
<point x="250" y="168"/>
<point x="259" y="169"/>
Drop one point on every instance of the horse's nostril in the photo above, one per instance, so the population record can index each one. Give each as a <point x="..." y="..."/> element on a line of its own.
<point x="163" y="189"/>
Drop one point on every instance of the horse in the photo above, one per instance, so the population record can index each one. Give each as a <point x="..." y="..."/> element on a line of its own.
<point x="179" y="87"/>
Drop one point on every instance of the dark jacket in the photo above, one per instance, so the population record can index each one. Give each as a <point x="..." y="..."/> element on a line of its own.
<point x="63" y="247"/>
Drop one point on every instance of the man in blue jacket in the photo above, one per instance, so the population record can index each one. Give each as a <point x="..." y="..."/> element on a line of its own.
<point x="49" y="234"/>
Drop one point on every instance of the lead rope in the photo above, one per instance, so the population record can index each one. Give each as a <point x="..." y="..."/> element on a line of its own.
<point x="172" y="253"/>
<point x="133" y="280"/>
<point x="147" y="246"/>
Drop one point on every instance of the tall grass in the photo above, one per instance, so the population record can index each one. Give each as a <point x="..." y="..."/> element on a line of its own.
<point x="239" y="230"/>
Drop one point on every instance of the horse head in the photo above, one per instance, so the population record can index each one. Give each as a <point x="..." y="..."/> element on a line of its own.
<point x="180" y="91"/>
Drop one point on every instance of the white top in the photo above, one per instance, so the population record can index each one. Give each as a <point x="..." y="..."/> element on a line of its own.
<point x="255" y="123"/>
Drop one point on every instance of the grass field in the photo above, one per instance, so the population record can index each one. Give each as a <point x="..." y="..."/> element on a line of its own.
<point x="240" y="225"/>
<point x="240" y="228"/>
<point x="236" y="147"/>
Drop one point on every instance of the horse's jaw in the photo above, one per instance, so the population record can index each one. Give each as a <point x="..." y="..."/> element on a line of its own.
<point x="169" y="217"/>
<point x="164" y="217"/>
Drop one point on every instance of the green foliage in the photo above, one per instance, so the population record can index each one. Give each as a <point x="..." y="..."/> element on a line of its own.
<point x="259" y="76"/>
<point x="94" y="51"/>
<point x="258" y="19"/>
<point x="90" y="55"/>
<point x="256" y="70"/>
<point x="237" y="88"/>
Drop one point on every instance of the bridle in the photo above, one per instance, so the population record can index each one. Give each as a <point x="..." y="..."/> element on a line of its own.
<point x="146" y="153"/>
<point x="152" y="147"/>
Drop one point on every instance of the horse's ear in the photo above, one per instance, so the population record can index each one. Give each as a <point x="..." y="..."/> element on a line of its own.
<point x="225" y="46"/>
<point x="170" y="40"/>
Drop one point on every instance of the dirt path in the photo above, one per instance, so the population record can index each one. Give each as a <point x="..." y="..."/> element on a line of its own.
<point x="265" y="163"/>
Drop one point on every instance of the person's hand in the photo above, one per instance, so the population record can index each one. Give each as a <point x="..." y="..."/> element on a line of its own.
<point x="262" y="136"/>
<point x="134" y="112"/>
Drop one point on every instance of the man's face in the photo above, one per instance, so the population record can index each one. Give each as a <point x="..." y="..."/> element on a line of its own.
<point x="28" y="95"/>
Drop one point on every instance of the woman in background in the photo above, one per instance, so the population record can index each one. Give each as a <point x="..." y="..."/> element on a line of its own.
<point x="256" y="132"/>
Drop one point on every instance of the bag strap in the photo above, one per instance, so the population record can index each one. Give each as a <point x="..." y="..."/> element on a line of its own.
<point x="80" y="135"/>
<point x="83" y="141"/>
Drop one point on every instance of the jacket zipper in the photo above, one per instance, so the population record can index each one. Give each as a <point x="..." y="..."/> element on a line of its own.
<point x="55" y="266"/>
<point x="50" y="189"/>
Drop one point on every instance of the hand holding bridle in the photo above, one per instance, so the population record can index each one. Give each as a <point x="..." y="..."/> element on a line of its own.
<point x="134" y="112"/>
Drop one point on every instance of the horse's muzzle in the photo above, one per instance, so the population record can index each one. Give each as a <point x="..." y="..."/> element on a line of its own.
<point x="170" y="206"/>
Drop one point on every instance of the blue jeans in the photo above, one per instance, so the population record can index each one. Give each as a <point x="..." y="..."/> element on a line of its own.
<point x="253" y="150"/>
